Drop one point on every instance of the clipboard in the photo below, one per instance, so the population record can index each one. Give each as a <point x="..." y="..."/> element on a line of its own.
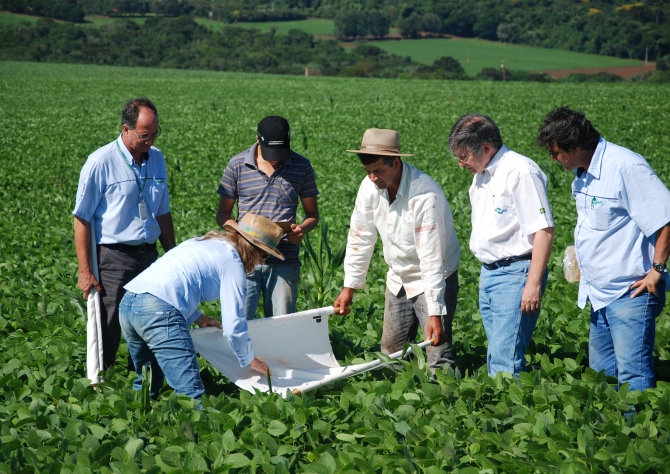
<point x="285" y="225"/>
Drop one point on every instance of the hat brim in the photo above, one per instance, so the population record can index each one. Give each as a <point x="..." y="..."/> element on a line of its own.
<point x="274" y="252"/>
<point x="274" y="153"/>
<point x="373" y="152"/>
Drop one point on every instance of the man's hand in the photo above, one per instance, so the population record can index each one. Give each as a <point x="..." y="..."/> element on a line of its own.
<point x="259" y="365"/>
<point x="204" y="321"/>
<point x="648" y="284"/>
<point x="530" y="298"/>
<point x="87" y="281"/>
<point x="434" y="331"/>
<point x="343" y="301"/>
<point x="295" y="235"/>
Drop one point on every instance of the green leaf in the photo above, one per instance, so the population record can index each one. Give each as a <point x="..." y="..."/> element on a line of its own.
<point x="237" y="461"/>
<point x="276" y="428"/>
<point x="133" y="447"/>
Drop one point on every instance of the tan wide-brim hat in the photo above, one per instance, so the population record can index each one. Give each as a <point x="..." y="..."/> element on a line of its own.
<point x="380" y="141"/>
<point x="259" y="231"/>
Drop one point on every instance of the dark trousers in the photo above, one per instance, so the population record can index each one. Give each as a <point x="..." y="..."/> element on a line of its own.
<point x="402" y="317"/>
<point x="117" y="268"/>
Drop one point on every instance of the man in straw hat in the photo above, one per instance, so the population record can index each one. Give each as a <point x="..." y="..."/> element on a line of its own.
<point x="269" y="179"/>
<point x="408" y="209"/>
<point x="512" y="232"/>
<point x="162" y="302"/>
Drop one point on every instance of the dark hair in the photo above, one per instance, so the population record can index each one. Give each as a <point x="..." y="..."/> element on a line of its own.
<point x="131" y="110"/>
<point x="368" y="159"/>
<point x="568" y="129"/>
<point x="471" y="131"/>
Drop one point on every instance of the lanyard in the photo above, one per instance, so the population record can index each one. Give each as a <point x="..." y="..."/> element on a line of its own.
<point x="137" y="180"/>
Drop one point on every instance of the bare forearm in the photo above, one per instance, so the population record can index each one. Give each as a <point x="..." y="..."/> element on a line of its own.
<point x="662" y="247"/>
<point x="541" y="251"/>
<point x="167" y="231"/>
<point x="310" y="222"/>
<point x="82" y="244"/>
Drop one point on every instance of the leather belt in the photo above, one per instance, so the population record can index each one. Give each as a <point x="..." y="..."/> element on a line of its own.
<point x="505" y="262"/>
<point x="142" y="248"/>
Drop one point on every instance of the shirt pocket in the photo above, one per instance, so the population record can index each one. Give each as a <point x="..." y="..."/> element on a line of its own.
<point x="158" y="189"/>
<point x="600" y="211"/>
<point x="503" y="211"/>
<point x="288" y="193"/>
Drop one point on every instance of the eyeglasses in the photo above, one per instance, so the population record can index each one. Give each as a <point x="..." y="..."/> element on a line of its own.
<point x="146" y="137"/>
<point x="264" y="256"/>
<point x="462" y="159"/>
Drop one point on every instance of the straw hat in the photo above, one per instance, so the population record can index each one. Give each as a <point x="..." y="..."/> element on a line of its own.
<point x="260" y="231"/>
<point x="379" y="141"/>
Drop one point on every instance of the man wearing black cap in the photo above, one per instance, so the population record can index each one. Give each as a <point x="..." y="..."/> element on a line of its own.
<point x="268" y="179"/>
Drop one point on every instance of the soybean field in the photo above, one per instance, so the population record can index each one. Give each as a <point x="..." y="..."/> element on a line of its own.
<point x="561" y="416"/>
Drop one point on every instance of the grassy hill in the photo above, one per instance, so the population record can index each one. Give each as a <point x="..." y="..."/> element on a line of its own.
<point x="475" y="54"/>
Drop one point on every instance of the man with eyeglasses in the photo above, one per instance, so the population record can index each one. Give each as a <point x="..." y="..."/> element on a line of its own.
<point x="622" y="241"/>
<point x="512" y="233"/>
<point x="122" y="208"/>
<point x="270" y="179"/>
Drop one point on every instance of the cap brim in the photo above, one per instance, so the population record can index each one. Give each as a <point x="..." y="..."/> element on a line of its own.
<point x="372" y="152"/>
<point x="274" y="252"/>
<point x="275" y="154"/>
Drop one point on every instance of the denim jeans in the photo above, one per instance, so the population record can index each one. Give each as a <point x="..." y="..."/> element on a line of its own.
<point x="157" y="334"/>
<point x="279" y="286"/>
<point x="508" y="329"/>
<point x="621" y="340"/>
<point x="402" y="317"/>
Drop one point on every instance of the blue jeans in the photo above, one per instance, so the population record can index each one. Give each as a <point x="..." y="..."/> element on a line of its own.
<point x="279" y="286"/>
<point x="157" y="334"/>
<point x="508" y="329"/>
<point x="621" y="340"/>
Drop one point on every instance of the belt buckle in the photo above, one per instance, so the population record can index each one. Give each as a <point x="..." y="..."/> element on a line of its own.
<point x="142" y="248"/>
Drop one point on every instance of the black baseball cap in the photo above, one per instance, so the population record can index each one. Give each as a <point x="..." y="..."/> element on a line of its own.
<point x="274" y="136"/>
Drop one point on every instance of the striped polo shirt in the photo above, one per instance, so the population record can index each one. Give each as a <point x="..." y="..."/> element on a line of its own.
<point x="275" y="197"/>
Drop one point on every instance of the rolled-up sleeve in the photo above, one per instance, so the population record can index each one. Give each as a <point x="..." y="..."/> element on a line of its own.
<point x="233" y="296"/>
<point x="360" y="242"/>
<point x="431" y="245"/>
<point x="89" y="191"/>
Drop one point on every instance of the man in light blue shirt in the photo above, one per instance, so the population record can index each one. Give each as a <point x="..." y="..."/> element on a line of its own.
<point x="622" y="241"/>
<point x="123" y="201"/>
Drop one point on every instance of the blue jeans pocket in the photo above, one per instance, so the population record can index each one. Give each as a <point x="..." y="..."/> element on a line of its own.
<point x="153" y="326"/>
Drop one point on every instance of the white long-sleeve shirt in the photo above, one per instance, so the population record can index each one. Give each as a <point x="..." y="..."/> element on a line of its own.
<point x="417" y="231"/>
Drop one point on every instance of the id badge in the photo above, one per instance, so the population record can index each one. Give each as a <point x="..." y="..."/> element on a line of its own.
<point x="143" y="211"/>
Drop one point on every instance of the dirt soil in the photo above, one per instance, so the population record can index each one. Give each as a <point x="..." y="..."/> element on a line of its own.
<point x="624" y="71"/>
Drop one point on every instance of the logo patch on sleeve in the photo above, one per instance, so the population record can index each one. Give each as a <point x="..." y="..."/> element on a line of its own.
<point x="542" y="211"/>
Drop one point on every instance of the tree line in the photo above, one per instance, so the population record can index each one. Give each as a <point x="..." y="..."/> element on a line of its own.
<point x="619" y="28"/>
<point x="184" y="44"/>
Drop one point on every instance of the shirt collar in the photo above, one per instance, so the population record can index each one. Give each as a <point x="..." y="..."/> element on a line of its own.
<point x="250" y="157"/>
<point x="125" y="150"/>
<point x="597" y="160"/>
<point x="495" y="161"/>
<point x="405" y="180"/>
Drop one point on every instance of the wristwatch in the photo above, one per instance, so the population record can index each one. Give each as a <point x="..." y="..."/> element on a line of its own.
<point x="659" y="267"/>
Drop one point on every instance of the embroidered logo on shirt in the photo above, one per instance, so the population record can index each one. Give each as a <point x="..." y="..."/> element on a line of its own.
<point x="159" y="181"/>
<point x="499" y="210"/>
<point x="542" y="211"/>
<point x="595" y="203"/>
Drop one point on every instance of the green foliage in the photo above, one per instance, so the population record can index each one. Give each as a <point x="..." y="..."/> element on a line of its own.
<point x="559" y="417"/>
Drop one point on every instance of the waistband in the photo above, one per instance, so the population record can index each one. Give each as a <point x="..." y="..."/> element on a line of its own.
<point x="142" y="248"/>
<point x="505" y="262"/>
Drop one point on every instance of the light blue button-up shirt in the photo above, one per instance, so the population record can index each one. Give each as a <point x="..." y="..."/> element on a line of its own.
<point x="621" y="203"/>
<point x="202" y="270"/>
<point x="108" y="195"/>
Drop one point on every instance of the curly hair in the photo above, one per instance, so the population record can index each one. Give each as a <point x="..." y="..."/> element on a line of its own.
<point x="567" y="129"/>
